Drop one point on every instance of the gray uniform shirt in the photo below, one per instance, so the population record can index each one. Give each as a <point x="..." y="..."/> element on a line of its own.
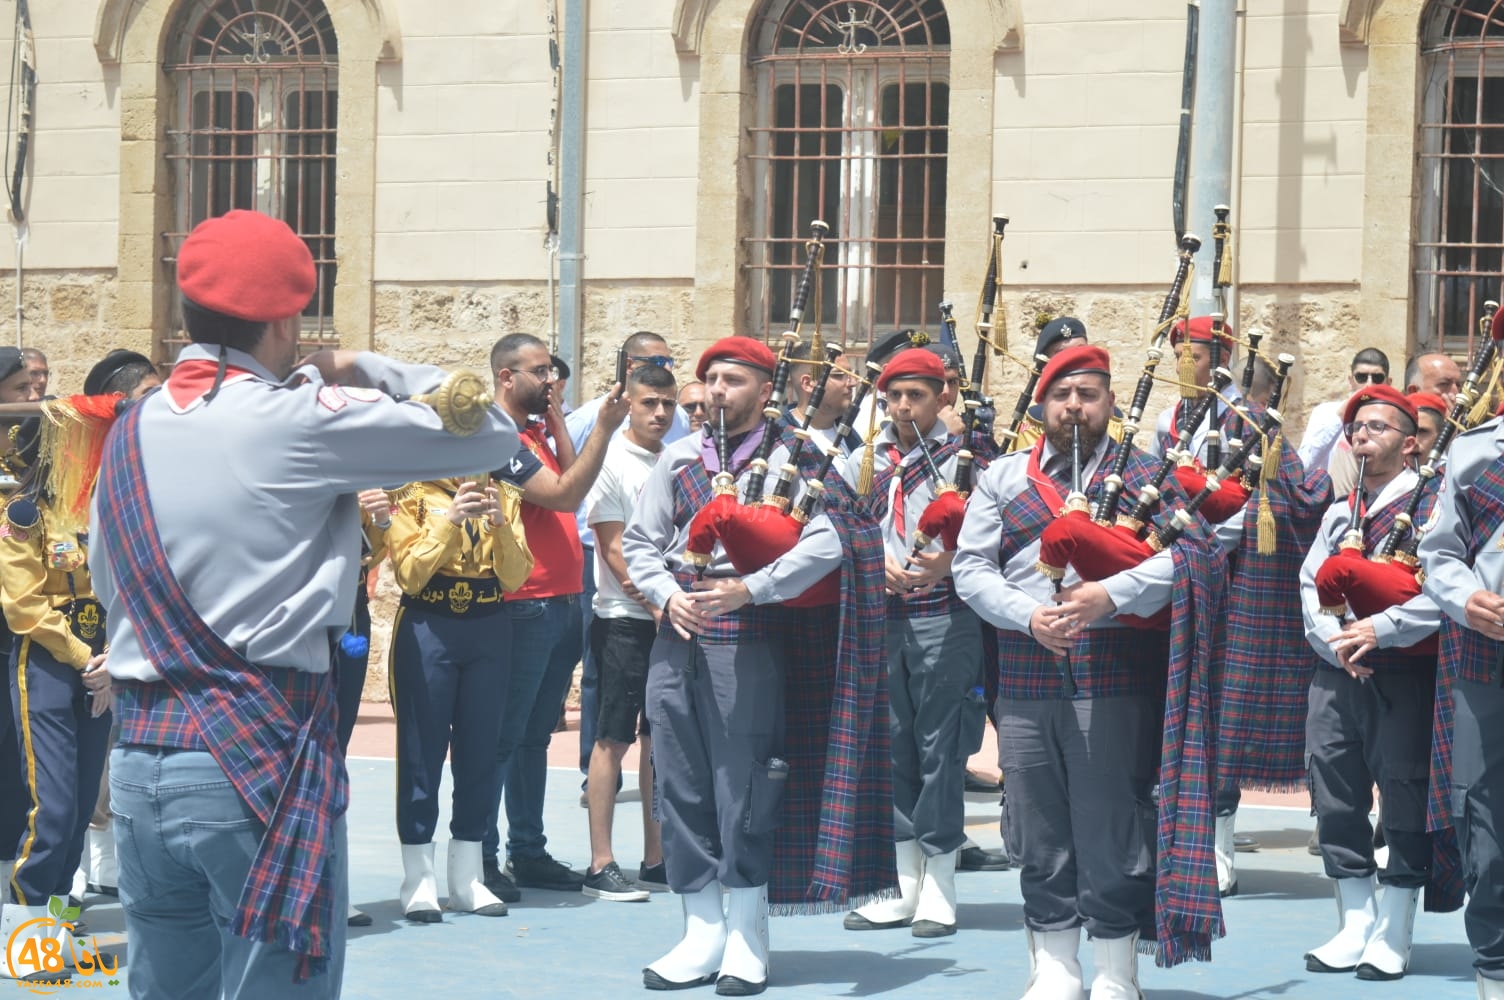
<point x="1403" y="625"/>
<point x="1450" y="580"/>
<point x="254" y="499"/>
<point x="653" y="545"/>
<point x="1007" y="596"/>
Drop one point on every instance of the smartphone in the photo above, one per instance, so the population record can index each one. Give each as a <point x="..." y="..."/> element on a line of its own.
<point x="621" y="367"/>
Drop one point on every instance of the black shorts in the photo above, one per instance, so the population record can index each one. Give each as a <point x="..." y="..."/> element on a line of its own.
<point x="621" y="647"/>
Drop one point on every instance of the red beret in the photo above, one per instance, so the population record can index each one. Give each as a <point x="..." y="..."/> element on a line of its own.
<point x="916" y="362"/>
<point x="1200" y="332"/>
<point x="740" y="350"/>
<point x="246" y="265"/>
<point x="1386" y="394"/>
<point x="1073" y="361"/>
<point x="1429" y="401"/>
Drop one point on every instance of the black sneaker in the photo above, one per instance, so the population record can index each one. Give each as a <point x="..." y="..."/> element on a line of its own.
<point x="500" y="883"/>
<point x="609" y="883"/>
<point x="543" y="872"/>
<point x="652" y="876"/>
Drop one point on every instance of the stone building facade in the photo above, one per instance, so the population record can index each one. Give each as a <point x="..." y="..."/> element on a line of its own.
<point x="415" y="144"/>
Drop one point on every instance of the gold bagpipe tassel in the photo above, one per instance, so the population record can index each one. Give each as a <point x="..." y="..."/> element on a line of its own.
<point x="868" y="471"/>
<point x="1268" y="530"/>
<point x="1187" y="370"/>
<point x="73" y="430"/>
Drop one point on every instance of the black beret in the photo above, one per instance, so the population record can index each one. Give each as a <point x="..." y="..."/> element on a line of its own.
<point x="1059" y="328"/>
<point x="111" y="365"/>
<point x="11" y="362"/>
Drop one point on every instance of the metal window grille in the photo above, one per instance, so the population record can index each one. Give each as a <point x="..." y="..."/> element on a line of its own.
<point x="256" y="110"/>
<point x="1460" y="253"/>
<point x="853" y="103"/>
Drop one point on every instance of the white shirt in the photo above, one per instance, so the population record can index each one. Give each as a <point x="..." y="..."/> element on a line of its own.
<point x="613" y="497"/>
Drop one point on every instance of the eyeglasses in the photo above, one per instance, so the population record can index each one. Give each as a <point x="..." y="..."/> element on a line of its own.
<point x="661" y="360"/>
<point x="697" y="406"/>
<point x="1369" y="378"/>
<point x="1373" y="427"/>
<point x="543" y="373"/>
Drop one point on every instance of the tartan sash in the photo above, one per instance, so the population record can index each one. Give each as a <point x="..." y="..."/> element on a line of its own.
<point x="1478" y="657"/>
<point x="1261" y="691"/>
<point x="283" y="759"/>
<point x="942" y="600"/>
<point x="834" y="848"/>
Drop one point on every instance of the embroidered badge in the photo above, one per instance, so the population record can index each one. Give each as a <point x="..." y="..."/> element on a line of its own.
<point x="358" y="394"/>
<point x="330" y="399"/>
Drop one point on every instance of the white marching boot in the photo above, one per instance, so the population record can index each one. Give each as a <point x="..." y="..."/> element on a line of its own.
<point x="1054" y="968"/>
<point x="935" y="916"/>
<point x="419" y="895"/>
<point x="1227" y="874"/>
<point x="887" y="913"/>
<point x="695" y="960"/>
<point x="12" y="917"/>
<point x="744" y="966"/>
<point x="1356" y="913"/>
<point x="100" y="863"/>
<point x="1490" y="989"/>
<point x="467" y="893"/>
<point x="1117" y="969"/>
<point x="1387" y="953"/>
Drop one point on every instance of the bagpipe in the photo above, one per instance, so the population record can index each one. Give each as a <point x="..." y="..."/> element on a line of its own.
<point x="989" y="334"/>
<point x="1362" y="584"/>
<point x="755" y="532"/>
<point x="1090" y="540"/>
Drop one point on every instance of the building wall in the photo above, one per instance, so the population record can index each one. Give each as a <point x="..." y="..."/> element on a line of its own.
<point x="1080" y="157"/>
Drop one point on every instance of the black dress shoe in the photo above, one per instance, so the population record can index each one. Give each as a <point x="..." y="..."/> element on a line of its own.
<point x="980" y="859"/>
<point x="651" y="980"/>
<point x="424" y="916"/>
<point x="931" y="929"/>
<point x="856" y="922"/>
<point x="358" y="918"/>
<point x="735" y="986"/>
<point x="976" y="783"/>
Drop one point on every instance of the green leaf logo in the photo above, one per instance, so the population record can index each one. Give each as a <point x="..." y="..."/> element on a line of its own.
<point x="55" y="906"/>
<point x="71" y="913"/>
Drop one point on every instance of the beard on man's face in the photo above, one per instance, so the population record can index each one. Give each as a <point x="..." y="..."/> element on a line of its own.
<point x="535" y="399"/>
<point x="1060" y="437"/>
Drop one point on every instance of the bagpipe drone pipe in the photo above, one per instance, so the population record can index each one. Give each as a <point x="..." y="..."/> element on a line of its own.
<point x="1354" y="582"/>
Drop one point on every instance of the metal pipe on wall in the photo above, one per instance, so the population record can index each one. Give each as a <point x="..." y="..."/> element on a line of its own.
<point x="1217" y="84"/>
<point x="572" y="193"/>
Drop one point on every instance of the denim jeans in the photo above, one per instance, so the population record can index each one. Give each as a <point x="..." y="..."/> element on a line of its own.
<point x="590" y="702"/>
<point x="185" y="842"/>
<point x="545" y="648"/>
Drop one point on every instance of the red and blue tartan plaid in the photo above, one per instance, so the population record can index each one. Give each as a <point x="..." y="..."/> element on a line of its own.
<point x="835" y="850"/>
<point x="941" y="600"/>
<point x="283" y="759"/>
<point x="1470" y="655"/>
<point x="1262" y="690"/>
<point x="1187" y="906"/>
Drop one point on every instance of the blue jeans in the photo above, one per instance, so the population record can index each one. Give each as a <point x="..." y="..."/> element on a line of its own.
<point x="545" y="649"/>
<point x="590" y="678"/>
<point x="185" y="841"/>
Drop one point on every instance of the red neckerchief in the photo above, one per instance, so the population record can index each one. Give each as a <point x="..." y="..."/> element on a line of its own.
<point x="190" y="380"/>
<point x="1043" y="484"/>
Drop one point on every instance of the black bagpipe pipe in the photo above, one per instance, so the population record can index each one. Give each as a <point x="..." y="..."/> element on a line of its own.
<point x="773" y="412"/>
<point x="972" y="397"/>
<point x="1107" y="505"/>
<point x="941" y="517"/>
<point x="783" y="483"/>
<point x="1176" y="455"/>
<point x="1349" y="581"/>
<point x="1221" y="279"/>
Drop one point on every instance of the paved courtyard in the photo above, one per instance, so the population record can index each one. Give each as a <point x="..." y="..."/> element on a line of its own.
<point x="566" y="945"/>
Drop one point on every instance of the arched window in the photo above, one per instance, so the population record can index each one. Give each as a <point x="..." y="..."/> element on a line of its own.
<point x="1460" y="250"/>
<point x="255" y="109"/>
<point x="853" y="101"/>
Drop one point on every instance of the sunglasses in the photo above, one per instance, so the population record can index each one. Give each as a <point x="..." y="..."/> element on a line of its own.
<point x="661" y="360"/>
<point x="694" y="407"/>
<point x="1369" y="378"/>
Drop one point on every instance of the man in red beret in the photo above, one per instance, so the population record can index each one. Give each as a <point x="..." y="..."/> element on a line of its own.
<point x="1197" y="336"/>
<point x="1369" y="720"/>
<point x="1430" y="417"/>
<point x="223" y="600"/>
<point x="934" y="645"/>
<point x="1073" y="679"/>
<point x="720" y="771"/>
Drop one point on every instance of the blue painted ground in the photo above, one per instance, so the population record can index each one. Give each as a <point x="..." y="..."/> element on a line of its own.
<point x="561" y="945"/>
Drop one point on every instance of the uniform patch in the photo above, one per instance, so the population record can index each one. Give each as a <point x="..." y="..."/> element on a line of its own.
<point x="331" y="399"/>
<point x="8" y="530"/>
<point x="359" y="394"/>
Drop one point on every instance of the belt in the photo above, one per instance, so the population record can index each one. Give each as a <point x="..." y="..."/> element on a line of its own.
<point x="457" y="596"/>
